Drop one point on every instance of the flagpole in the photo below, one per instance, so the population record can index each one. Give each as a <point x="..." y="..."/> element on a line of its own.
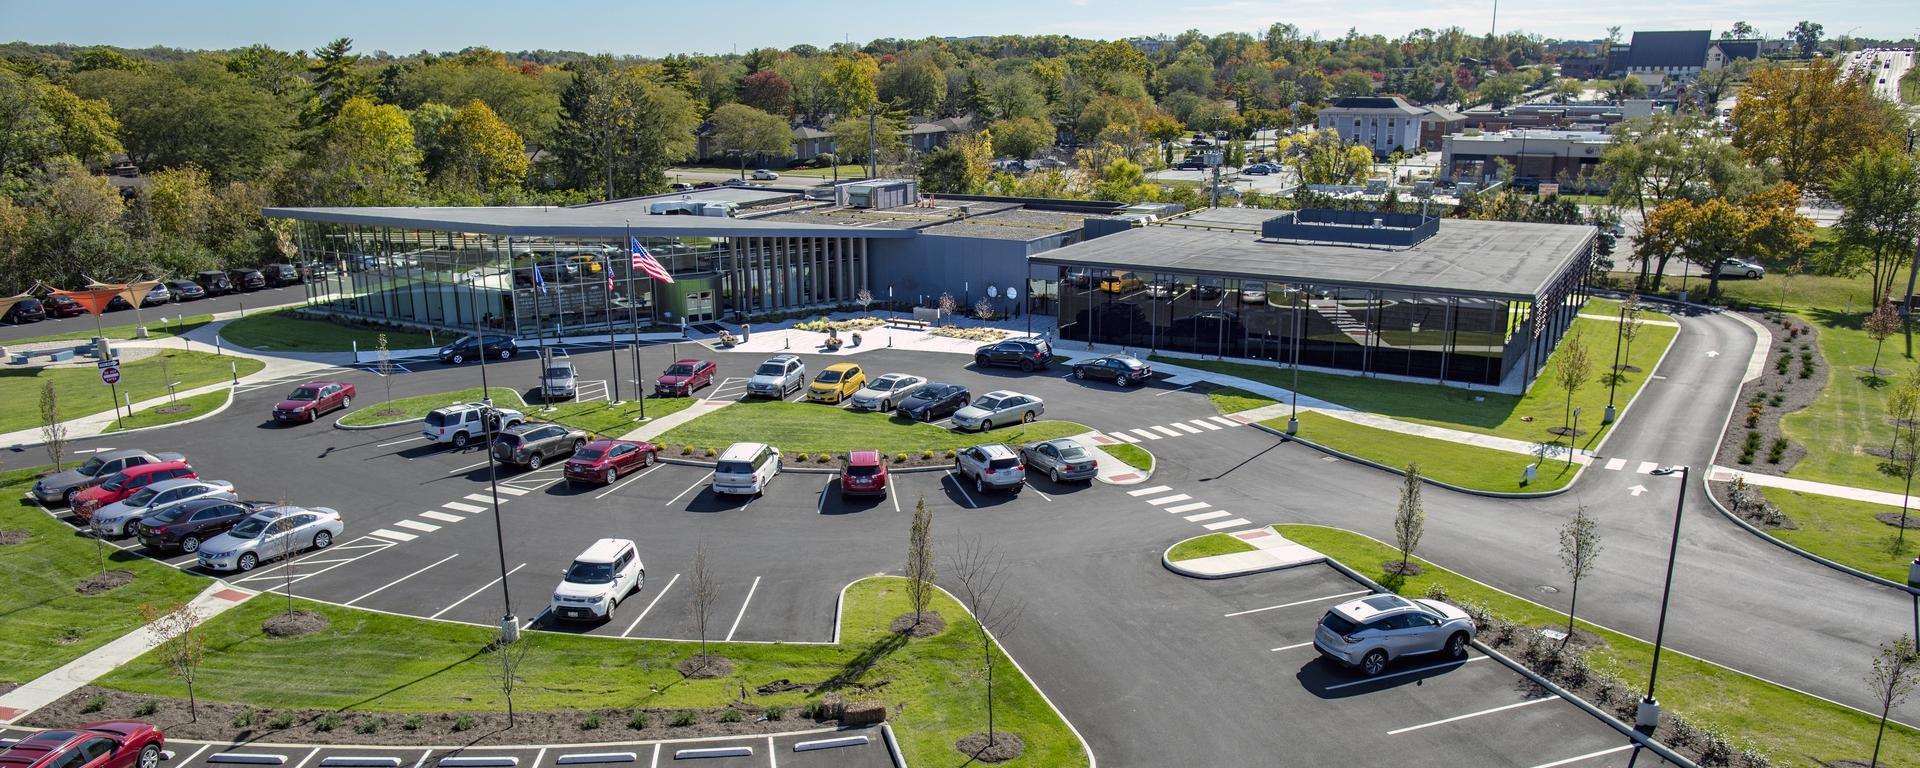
<point x="606" y="317"/>
<point x="633" y="317"/>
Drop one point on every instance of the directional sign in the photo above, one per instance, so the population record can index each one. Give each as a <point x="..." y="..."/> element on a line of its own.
<point x="109" y="374"/>
<point x="112" y="363"/>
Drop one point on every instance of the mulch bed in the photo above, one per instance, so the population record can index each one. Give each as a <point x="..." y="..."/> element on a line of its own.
<point x="13" y="536"/>
<point x="294" y="623"/>
<point x="1393" y="568"/>
<point x="1893" y="519"/>
<point x="1776" y="395"/>
<point x="104" y="582"/>
<point x="229" y="723"/>
<point x="173" y="409"/>
<point x="706" y="667"/>
<point x="1006" y="746"/>
<point x="931" y="623"/>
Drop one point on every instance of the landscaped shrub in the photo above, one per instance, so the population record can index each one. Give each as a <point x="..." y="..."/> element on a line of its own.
<point x="465" y="723"/>
<point x="244" y="718"/>
<point x="281" y="721"/>
<point x="638" y="720"/>
<point x="146" y="707"/>
<point x="1778" y="451"/>
<point x="413" y="722"/>
<point x="684" y="718"/>
<point x="591" y="723"/>
<point x="800" y="457"/>
<point x="731" y="716"/>
<point x="326" y="722"/>
<point x="370" y="725"/>
<point x="1753" y="416"/>
<point x="776" y="712"/>
<point x="94" y="703"/>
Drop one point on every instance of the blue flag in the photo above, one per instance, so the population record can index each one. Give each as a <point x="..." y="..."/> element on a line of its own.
<point x="538" y="281"/>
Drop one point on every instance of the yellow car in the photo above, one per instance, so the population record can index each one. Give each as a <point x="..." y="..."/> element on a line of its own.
<point x="1121" y="282"/>
<point x="585" y="262"/>
<point x="837" y="383"/>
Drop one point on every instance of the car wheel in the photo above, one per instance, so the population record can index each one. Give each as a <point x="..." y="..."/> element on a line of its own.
<point x="1026" y="365"/>
<point x="345" y="403"/>
<point x="1026" y="418"/>
<point x="986" y="426"/>
<point x="1054" y="475"/>
<point x="249" y="561"/>
<point x="578" y="444"/>
<point x="459" y="439"/>
<point x="979" y="359"/>
<point x="612" y="604"/>
<point x="533" y="461"/>
<point x="506" y="354"/>
<point x="979" y="485"/>
<point x="613" y="473"/>
<point x="149" y="756"/>
<point x="1752" y="275"/>
<point x="1374" y="662"/>
<point x="1125" y="381"/>
<point x="886" y="406"/>
<point x="1079" y="373"/>
<point x="190" y="544"/>
<point x="322" y="540"/>
<point x="313" y="415"/>
<point x="458" y="358"/>
<point x="70" y="495"/>
<point x="1457" y="645"/>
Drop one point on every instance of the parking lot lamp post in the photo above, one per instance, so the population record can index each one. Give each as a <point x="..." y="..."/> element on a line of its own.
<point x="509" y="624"/>
<point x="1293" y="419"/>
<point x="1913" y="583"/>
<point x="1613" y="377"/>
<point x="1648" y="716"/>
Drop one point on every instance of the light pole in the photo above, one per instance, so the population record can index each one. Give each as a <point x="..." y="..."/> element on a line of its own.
<point x="1293" y="419"/>
<point x="1613" y="377"/>
<point x="509" y="624"/>
<point x="1913" y="585"/>
<point x="1648" y="716"/>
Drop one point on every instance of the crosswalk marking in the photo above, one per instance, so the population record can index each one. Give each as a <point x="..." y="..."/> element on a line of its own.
<point x="1149" y="491"/>
<point x="1204" y="423"/>
<point x="441" y="516"/>
<point x="1165" y="500"/>
<point x="459" y="507"/>
<point x="1225" y="524"/>
<point x="1184" y="428"/>
<point x="1124" y="436"/>
<point x="1615" y="464"/>
<point x="1207" y="516"/>
<point x="394" y="535"/>
<point x="1225" y="420"/>
<point x="1170" y="433"/>
<point x="1647" y="467"/>
<point x="418" y="526"/>
<point x="512" y="491"/>
<point x="1146" y="434"/>
<point x="1188" y="507"/>
<point x="480" y="497"/>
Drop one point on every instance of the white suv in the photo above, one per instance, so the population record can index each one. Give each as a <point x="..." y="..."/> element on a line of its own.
<point x="458" y="424"/>
<point x="1368" y="632"/>
<point x="594" y="585"/>
<point x="746" y="468"/>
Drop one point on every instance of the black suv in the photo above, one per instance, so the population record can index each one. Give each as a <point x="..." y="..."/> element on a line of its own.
<point x="214" y="282"/>
<point x="247" y="279"/>
<point x="25" y="311"/>
<point x="186" y="526"/>
<point x="281" y="274"/>
<point x="1026" y="354"/>
<point x="471" y="347"/>
<point x="530" y="445"/>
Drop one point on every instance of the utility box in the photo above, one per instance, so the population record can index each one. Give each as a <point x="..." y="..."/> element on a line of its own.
<point x="877" y="193"/>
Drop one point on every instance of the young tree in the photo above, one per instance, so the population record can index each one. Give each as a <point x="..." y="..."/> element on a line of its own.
<point x="1881" y="325"/>
<point x="947" y="304"/>
<point x="385" y="366"/>
<point x="1895" y="672"/>
<point x="1572" y="364"/>
<point x="920" y="568"/>
<point x="175" y="631"/>
<point x="864" y="298"/>
<point x="511" y="657"/>
<point x="1410" y="519"/>
<point x="1579" y="545"/>
<point x="700" y="604"/>
<point x="983" y="309"/>
<point x="981" y="577"/>
<point x="52" y="432"/>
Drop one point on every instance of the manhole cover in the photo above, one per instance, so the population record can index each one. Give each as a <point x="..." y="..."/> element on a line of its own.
<point x="1547" y="589"/>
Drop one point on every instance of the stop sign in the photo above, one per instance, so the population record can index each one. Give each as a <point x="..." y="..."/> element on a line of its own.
<point x="109" y="375"/>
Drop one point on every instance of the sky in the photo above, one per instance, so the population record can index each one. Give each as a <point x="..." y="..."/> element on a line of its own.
<point x="654" y="27"/>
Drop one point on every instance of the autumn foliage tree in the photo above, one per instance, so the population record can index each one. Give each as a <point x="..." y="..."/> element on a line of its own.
<point x="481" y="152"/>
<point x="1809" y="119"/>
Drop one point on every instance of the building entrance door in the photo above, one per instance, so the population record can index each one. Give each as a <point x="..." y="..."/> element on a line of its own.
<point x="700" y="306"/>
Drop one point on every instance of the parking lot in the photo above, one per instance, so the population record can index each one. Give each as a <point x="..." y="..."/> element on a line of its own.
<point x="854" y="747"/>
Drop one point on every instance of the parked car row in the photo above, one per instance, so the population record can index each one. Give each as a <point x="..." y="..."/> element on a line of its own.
<point x="211" y="282"/>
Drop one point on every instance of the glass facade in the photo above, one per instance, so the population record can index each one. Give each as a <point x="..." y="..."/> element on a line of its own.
<point x="1417" y="335"/>
<point x="532" y="286"/>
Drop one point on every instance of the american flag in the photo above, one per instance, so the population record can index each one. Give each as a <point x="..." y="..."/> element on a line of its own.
<point x="645" y="262"/>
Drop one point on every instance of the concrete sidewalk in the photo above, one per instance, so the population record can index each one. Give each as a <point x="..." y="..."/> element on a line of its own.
<point x="48" y="688"/>
<point x="1108" y="469"/>
<point x="1272" y="552"/>
<point x="656" y="427"/>
<point x="1727" y="474"/>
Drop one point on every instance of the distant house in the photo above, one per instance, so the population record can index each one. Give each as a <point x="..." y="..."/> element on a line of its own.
<point x="1439" y="123"/>
<point x="1675" y="54"/>
<point x="1583" y="67"/>
<point x="1380" y="123"/>
<point x="928" y="135"/>
<point x="1724" y="52"/>
<point x="808" y="142"/>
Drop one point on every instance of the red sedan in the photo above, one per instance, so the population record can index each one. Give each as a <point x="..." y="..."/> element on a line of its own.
<point x="124" y="483"/>
<point x="864" y="473"/>
<point x="308" y="401"/>
<point x="109" y="744"/>
<point x="603" y="461"/>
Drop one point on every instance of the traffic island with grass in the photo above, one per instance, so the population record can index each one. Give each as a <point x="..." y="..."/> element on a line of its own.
<point x="81" y="393"/>
<point x="1715" y="714"/>
<point x="1207" y="546"/>
<point x="820" y="432"/>
<point x="1856" y="534"/>
<point x="1235" y="400"/>
<point x="414" y="408"/>
<point x="443" y="678"/>
<point x="51" y="617"/>
<point x="1456" y="464"/>
<point x="1130" y="455"/>
<point x="173" y="412"/>
<point x="285" y="331"/>
<point x="605" y="419"/>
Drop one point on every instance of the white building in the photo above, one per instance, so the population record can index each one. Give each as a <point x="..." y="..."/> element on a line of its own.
<point x="1383" y="124"/>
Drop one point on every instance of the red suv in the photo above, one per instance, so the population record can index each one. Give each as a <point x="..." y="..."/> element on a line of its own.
<point x="864" y="474"/>
<point x="124" y="483"/>
<point x="603" y="461"/>
<point x="109" y="744"/>
<point x="313" y="398"/>
<point x="685" y="376"/>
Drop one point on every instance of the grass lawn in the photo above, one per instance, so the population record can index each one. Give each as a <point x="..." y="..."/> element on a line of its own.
<point x="168" y="413"/>
<point x="375" y="662"/>
<point x="283" y="331"/>
<point x="1844" y="531"/>
<point x="162" y="326"/>
<point x="1520" y="417"/>
<point x="1131" y="455"/>
<point x="1848" y="416"/>
<point x="417" y="407"/>
<point x="48" y="623"/>
<point x="1234" y="400"/>
<point x="607" y="420"/>
<point x="81" y="392"/>
<point x="1794" y="729"/>
<point x="1448" y="462"/>
<point x="1207" y="546"/>
<point x="817" y="428"/>
<point x="1611" y="308"/>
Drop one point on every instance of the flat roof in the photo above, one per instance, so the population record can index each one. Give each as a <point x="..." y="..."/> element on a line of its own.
<point x="612" y="220"/>
<point x="997" y="220"/>
<point x="1497" y="259"/>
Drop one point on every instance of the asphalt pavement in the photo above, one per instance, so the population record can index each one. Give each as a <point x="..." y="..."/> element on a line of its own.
<point x="266" y="297"/>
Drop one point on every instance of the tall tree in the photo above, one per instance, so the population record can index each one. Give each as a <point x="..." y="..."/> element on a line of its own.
<point x="1808" y="121"/>
<point x="1021" y="137"/>
<point x="960" y="167"/>
<point x="480" y="151"/>
<point x="748" y="132"/>
<point x="1579" y="546"/>
<point x="1667" y="159"/>
<point x="767" y="91"/>
<point x="365" y="156"/>
<point x="1879" y="193"/>
<point x="849" y="85"/>
<point x="1806" y="35"/>
<point x="915" y="84"/>
<point x="1409" y="520"/>
<point x="619" y="131"/>
<point x="334" y="79"/>
<point x="530" y="103"/>
<point x="40" y="120"/>
<point x="195" y="112"/>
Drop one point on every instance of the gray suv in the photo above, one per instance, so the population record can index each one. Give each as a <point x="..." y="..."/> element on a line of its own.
<point x="994" y="466"/>
<point x="559" y="379"/>
<point x="533" y="444"/>
<point x="777" y="377"/>
<point x="1371" y="631"/>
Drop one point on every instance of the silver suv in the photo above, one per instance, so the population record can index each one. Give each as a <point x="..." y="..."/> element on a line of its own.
<point x="777" y="377"/>
<point x="1369" y="632"/>
<point x="559" y="379"/>
<point x="993" y="465"/>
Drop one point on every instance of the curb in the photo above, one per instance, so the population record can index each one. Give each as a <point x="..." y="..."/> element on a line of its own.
<point x="808" y="470"/>
<point x="1284" y="437"/>
<point x="208" y="415"/>
<point x="1140" y="475"/>
<point x="1705" y="485"/>
<point x="1171" y="564"/>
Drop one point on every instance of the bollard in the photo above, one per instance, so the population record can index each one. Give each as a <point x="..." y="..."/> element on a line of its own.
<point x="235" y="367"/>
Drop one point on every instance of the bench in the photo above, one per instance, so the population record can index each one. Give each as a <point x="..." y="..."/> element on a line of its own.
<point x="908" y="322"/>
<point x="59" y="355"/>
<point x="20" y="358"/>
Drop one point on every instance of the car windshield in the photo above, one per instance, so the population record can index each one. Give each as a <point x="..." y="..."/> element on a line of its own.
<point x="883" y="385"/>
<point x="250" y="527"/>
<point x="559" y="372"/>
<point x="92" y="467"/>
<point x="590" y="573"/>
<point x="679" y="370"/>
<point x="304" y="393"/>
<point x="987" y="403"/>
<point x="141" y="497"/>
<point x="771" y="369"/>
<point x="1339" y="624"/>
<point x="589" y="453"/>
<point x="829" y="377"/>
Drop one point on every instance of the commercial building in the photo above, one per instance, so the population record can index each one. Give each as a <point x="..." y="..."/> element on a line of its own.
<point x="1675" y="54"/>
<point x="1472" y="302"/>
<point x="1570" y="117"/>
<point x="1564" y="157"/>
<point x="1384" y="124"/>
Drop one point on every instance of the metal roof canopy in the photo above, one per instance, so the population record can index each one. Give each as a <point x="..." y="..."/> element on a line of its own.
<point x="1493" y="259"/>
<point x="595" y="221"/>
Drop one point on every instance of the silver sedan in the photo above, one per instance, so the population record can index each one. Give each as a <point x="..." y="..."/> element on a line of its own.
<point x="881" y="393"/>
<point x="999" y="409"/>
<point x="1060" y="460"/>
<point x="270" y="533"/>
<point x="117" y="519"/>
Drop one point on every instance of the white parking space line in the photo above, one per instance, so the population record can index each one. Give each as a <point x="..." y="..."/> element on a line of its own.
<point x="743" y="610"/>
<point x="1297" y="602"/>
<point x="656" y="756"/>
<point x="1184" y="428"/>
<point x="1647" y="467"/>
<point x="1170" y="433"/>
<point x="1124" y="437"/>
<point x="1149" y="491"/>
<point x="467" y="468"/>
<point x="1146" y="434"/>
<point x="820" y="503"/>
<point x="398" y="442"/>
<point x="1171" y="391"/>
<point x="418" y="526"/>
<point x="1214" y="515"/>
<point x="1615" y="464"/>
<point x="441" y="516"/>
<point x="382" y="587"/>
<point x="1043" y="494"/>
<point x="1208" y="425"/>
<point x="512" y="491"/>
<point x="1165" y="500"/>
<point x="1189" y="508"/>
<point x="487" y="586"/>
<point x="696" y="484"/>
<point x="1455" y="718"/>
<point x="1414" y="671"/>
<point x="1291" y="647"/>
<point x="394" y="535"/>
<point x="304" y="760"/>
<point x="196" y="753"/>
<point x="1587" y="756"/>
<point x="1226" y="524"/>
<point x="1225" y="421"/>
<point x="895" y="498"/>
<point x="650" y="604"/>
<point x="462" y="507"/>
<point x="962" y="489"/>
<point x="618" y="486"/>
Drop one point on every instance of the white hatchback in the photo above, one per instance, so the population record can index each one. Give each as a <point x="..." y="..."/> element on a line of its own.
<point x="599" y="578"/>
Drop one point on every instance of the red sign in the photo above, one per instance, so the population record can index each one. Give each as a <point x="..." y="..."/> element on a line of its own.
<point x="109" y="375"/>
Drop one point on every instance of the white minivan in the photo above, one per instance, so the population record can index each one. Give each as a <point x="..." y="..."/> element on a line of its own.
<point x="746" y="468"/>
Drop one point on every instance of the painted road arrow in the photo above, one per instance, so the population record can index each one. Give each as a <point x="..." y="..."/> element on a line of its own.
<point x="1637" y="490"/>
<point x="1713" y="353"/>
